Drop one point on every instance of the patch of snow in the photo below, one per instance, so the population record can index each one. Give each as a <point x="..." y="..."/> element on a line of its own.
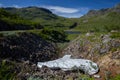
<point x="66" y="63"/>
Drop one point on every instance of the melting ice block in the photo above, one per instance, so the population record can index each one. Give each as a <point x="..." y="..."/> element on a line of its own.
<point x="67" y="63"/>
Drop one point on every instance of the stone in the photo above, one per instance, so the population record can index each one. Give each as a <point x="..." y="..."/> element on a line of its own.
<point x="96" y="76"/>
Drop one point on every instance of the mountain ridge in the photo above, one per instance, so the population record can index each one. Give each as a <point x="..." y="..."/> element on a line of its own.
<point x="33" y="12"/>
<point x="103" y="11"/>
<point x="103" y="20"/>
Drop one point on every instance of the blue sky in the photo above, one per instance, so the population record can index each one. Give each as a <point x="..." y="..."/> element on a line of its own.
<point x="66" y="8"/>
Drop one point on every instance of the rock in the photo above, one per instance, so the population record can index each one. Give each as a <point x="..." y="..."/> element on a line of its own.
<point x="112" y="31"/>
<point x="88" y="34"/>
<point x="115" y="55"/>
<point x="85" y="21"/>
<point x="66" y="63"/>
<point x="27" y="46"/>
<point x="96" y="76"/>
<point x="106" y="38"/>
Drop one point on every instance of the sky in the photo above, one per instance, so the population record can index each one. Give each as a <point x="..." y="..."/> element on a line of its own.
<point x="65" y="8"/>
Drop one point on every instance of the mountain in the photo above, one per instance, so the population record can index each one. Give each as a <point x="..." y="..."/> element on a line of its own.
<point x="100" y="20"/>
<point x="31" y="18"/>
<point x="33" y="13"/>
<point x="41" y="15"/>
<point x="116" y="9"/>
<point x="10" y="21"/>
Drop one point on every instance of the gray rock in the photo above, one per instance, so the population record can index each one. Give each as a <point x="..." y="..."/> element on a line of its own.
<point x="96" y="76"/>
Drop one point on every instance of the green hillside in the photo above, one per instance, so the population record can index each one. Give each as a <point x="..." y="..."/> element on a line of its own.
<point x="33" y="13"/>
<point x="9" y="21"/>
<point x="95" y="20"/>
<point x="100" y="20"/>
<point x="43" y="16"/>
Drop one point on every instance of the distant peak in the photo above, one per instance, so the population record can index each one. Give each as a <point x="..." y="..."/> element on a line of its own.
<point x="117" y="6"/>
<point x="103" y="11"/>
<point x="41" y="8"/>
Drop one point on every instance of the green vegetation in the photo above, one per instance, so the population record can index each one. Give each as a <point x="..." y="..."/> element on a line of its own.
<point x="52" y="35"/>
<point x="6" y="70"/>
<point x="102" y="23"/>
<point x="85" y="77"/>
<point x="115" y="35"/>
<point x="43" y="16"/>
<point x="9" y="21"/>
<point x="32" y="78"/>
<point x="117" y="77"/>
<point x="33" y="13"/>
<point x="72" y="36"/>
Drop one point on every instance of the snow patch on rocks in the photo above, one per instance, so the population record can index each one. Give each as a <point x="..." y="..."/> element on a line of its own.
<point x="67" y="63"/>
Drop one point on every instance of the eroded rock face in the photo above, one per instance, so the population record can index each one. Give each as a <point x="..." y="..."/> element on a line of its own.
<point x="66" y="63"/>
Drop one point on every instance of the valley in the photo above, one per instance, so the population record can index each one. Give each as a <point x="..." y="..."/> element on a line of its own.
<point x="32" y="34"/>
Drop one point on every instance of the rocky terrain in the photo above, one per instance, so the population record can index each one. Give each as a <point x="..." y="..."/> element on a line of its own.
<point x="101" y="49"/>
<point x="22" y="51"/>
<point x="26" y="46"/>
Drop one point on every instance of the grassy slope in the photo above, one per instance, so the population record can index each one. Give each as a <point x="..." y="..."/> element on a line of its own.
<point x="43" y="16"/>
<point x="9" y="21"/>
<point x="107" y="22"/>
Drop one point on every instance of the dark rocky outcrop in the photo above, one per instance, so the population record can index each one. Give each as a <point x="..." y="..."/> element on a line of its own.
<point x="5" y="26"/>
<point x="26" y="46"/>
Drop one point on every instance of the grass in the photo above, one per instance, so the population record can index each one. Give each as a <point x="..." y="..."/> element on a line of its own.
<point x="115" y="35"/>
<point x="72" y="36"/>
<point x="6" y="33"/>
<point x="102" y="23"/>
<point x="117" y="77"/>
<point x="32" y="78"/>
<point x="6" y="72"/>
<point x="85" y="77"/>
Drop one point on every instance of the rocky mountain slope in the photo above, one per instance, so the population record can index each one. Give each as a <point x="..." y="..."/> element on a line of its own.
<point x="102" y="49"/>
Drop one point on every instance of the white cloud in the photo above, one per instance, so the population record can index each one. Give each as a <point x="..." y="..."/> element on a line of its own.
<point x="59" y="9"/>
<point x="16" y="6"/>
<point x="71" y="15"/>
<point x="67" y="12"/>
